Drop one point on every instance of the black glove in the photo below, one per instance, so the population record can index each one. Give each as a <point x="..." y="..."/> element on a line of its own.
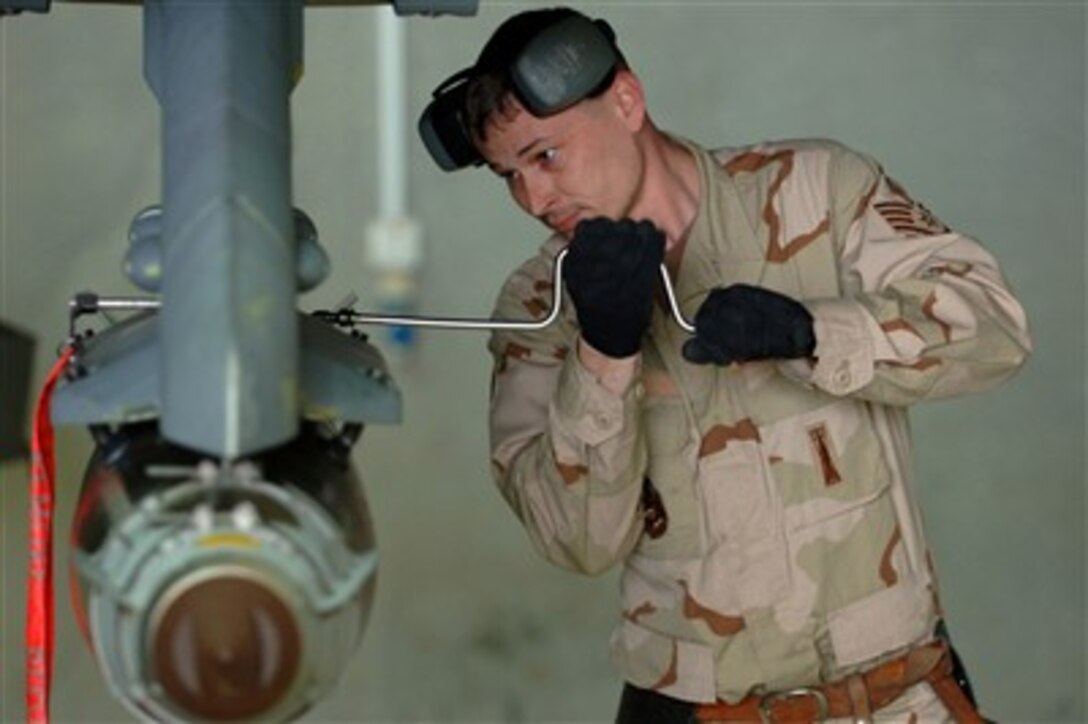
<point x="743" y="323"/>
<point x="611" y="271"/>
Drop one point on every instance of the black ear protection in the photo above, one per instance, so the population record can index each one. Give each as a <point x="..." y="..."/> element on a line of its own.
<point x="561" y="65"/>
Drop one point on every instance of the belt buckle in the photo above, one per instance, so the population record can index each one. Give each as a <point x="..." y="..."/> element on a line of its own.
<point x="767" y="701"/>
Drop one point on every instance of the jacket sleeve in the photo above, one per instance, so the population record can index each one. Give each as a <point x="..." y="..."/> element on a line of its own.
<point x="925" y="312"/>
<point x="568" y="455"/>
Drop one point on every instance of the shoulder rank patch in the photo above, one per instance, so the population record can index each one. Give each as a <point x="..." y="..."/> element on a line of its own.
<point x="907" y="216"/>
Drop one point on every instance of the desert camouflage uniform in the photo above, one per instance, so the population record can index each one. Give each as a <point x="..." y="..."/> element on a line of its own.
<point x="794" y="551"/>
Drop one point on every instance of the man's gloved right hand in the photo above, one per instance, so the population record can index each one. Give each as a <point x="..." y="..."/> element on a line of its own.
<point x="611" y="271"/>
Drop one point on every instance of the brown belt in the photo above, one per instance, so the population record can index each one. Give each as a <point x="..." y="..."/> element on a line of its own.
<point x="856" y="696"/>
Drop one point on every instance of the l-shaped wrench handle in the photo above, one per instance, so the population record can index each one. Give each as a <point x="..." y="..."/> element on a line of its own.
<point x="500" y="324"/>
<point x="348" y="316"/>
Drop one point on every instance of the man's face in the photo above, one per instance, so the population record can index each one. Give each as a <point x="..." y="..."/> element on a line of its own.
<point x="578" y="164"/>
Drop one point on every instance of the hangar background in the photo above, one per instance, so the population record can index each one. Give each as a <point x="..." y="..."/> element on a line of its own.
<point x="977" y="108"/>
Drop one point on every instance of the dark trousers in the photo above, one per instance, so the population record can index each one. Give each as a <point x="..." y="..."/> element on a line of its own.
<point x="641" y="706"/>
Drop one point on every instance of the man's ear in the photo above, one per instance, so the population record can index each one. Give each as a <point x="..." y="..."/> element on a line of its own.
<point x="630" y="103"/>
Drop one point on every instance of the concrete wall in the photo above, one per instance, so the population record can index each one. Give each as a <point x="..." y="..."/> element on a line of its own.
<point x="978" y="109"/>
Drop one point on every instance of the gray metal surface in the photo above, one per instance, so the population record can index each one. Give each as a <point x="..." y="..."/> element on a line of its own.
<point x="402" y="7"/>
<point x="121" y="383"/>
<point x="229" y="361"/>
<point x="143" y="260"/>
<point x="17" y="6"/>
<point x="341" y="377"/>
<point x="435" y="7"/>
<point x="344" y="378"/>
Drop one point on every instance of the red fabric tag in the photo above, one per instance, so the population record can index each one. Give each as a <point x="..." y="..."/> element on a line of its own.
<point x="39" y="603"/>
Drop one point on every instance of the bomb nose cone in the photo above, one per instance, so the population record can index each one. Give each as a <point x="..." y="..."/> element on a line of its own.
<point x="227" y="648"/>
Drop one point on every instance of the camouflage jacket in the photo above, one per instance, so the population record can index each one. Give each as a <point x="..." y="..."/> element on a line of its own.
<point x="794" y="550"/>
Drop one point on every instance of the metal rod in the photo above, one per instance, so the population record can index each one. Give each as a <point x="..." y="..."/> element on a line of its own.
<point x="134" y="303"/>
<point x="674" y="306"/>
<point x="124" y="304"/>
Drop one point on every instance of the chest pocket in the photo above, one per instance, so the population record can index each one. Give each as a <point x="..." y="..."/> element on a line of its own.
<point x="826" y="460"/>
<point x="743" y="513"/>
<point x="670" y="467"/>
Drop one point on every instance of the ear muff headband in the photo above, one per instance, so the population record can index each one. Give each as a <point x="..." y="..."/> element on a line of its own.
<point x="563" y="64"/>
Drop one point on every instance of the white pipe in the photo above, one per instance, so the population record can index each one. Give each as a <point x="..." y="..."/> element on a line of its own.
<point x="393" y="250"/>
<point x="392" y="148"/>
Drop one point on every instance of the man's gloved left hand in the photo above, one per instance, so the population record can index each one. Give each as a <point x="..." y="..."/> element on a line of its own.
<point x="742" y="323"/>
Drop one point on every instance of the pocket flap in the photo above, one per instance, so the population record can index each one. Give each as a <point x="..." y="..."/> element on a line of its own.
<point x="890" y="619"/>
